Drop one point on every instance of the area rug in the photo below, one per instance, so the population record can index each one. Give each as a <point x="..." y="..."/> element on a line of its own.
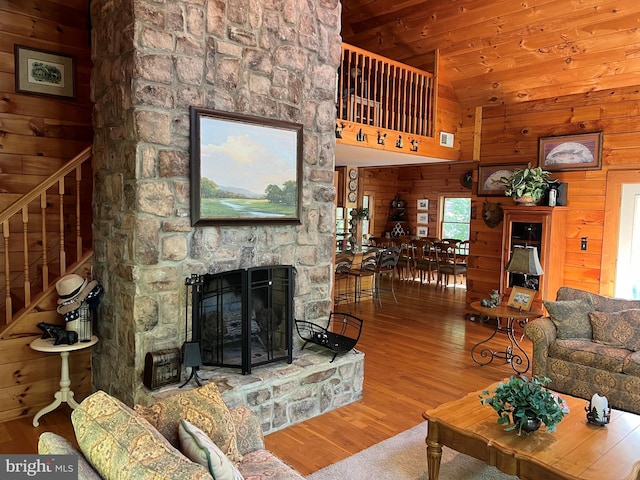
<point x="404" y="457"/>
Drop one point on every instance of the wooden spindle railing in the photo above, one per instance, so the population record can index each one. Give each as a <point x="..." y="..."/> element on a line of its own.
<point x="28" y="270"/>
<point x="380" y="92"/>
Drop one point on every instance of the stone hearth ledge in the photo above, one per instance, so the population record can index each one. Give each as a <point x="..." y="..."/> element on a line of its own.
<point x="284" y="394"/>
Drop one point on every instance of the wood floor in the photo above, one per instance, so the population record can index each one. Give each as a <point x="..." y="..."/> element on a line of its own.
<point x="417" y="357"/>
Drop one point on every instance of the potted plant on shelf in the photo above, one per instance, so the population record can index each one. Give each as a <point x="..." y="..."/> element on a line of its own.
<point x="524" y="404"/>
<point x="360" y="213"/>
<point x="527" y="185"/>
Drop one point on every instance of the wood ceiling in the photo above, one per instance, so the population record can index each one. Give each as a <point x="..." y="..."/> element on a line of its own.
<point x="504" y="51"/>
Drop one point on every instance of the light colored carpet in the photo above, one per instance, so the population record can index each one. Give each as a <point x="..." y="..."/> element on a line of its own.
<point x="404" y="457"/>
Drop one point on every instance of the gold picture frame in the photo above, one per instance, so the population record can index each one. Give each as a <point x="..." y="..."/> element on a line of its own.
<point x="521" y="298"/>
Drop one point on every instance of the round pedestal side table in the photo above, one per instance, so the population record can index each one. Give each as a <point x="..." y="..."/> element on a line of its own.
<point x="65" y="394"/>
<point x="513" y="353"/>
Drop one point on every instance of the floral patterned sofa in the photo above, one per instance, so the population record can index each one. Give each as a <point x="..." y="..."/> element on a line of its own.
<point x="589" y="344"/>
<point x="189" y="435"/>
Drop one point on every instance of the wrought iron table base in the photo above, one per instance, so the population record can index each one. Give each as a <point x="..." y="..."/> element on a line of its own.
<point x="513" y="353"/>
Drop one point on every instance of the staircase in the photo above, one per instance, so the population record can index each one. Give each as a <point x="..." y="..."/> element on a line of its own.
<point x="46" y="233"/>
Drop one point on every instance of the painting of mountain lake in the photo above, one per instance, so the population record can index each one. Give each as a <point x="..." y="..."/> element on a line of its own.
<point x="244" y="169"/>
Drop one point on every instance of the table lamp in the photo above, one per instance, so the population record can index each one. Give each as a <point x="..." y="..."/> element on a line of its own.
<point x="525" y="261"/>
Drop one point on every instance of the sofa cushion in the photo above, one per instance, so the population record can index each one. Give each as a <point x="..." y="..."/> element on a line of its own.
<point x="601" y="303"/>
<point x="122" y="445"/>
<point x="198" y="447"/>
<point x="249" y="436"/>
<point x="632" y="365"/>
<point x="50" y="443"/>
<point x="204" y="408"/>
<point x="264" y="465"/>
<point x="618" y="329"/>
<point x="590" y="354"/>
<point x="571" y="317"/>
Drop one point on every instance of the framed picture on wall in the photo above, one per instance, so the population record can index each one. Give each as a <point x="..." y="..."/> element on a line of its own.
<point x="39" y="72"/>
<point x="571" y="152"/>
<point x="489" y="184"/>
<point x="423" y="204"/>
<point x="423" y="218"/>
<point x="245" y="170"/>
<point x="422" y="231"/>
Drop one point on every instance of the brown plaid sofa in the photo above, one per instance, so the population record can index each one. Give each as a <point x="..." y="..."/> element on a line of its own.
<point x="589" y="344"/>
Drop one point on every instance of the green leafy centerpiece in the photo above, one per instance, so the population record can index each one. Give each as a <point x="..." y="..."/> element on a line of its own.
<point x="527" y="185"/>
<point x="524" y="404"/>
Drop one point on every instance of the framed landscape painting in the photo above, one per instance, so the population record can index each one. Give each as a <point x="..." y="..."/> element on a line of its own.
<point x="571" y="152"/>
<point x="245" y="170"/>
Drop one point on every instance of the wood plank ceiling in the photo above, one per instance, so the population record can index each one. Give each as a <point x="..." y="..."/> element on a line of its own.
<point x="504" y="51"/>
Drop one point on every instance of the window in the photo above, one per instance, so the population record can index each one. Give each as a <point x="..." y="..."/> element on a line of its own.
<point x="456" y="217"/>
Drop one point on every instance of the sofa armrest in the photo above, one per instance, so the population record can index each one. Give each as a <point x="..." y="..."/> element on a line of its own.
<point x="249" y="436"/>
<point x="50" y="443"/>
<point x="542" y="332"/>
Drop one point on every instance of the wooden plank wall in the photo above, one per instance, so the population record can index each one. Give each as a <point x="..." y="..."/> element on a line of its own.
<point x="413" y="182"/>
<point x="41" y="133"/>
<point x="510" y="135"/>
<point x="38" y="134"/>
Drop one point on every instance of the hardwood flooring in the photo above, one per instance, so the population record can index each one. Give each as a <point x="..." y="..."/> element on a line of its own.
<point x="417" y="356"/>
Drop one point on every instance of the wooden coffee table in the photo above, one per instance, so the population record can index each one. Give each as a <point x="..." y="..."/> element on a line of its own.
<point x="576" y="450"/>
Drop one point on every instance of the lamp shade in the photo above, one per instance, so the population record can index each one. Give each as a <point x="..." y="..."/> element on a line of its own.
<point x="525" y="260"/>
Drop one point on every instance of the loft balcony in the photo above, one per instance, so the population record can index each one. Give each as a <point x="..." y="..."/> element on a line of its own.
<point x="384" y="99"/>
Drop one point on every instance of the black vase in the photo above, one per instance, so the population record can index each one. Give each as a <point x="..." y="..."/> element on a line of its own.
<point x="531" y="425"/>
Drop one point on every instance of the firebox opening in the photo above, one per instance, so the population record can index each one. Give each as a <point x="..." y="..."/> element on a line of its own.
<point x="244" y="318"/>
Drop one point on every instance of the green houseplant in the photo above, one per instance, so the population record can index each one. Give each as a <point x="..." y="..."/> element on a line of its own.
<point x="360" y="213"/>
<point x="520" y="402"/>
<point x="528" y="184"/>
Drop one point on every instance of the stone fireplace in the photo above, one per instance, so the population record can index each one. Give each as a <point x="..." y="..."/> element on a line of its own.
<point x="152" y="60"/>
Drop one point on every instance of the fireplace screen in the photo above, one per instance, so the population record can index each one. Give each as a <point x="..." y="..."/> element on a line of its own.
<point x="243" y="318"/>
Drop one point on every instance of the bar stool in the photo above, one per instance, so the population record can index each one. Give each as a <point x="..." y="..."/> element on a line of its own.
<point x="344" y="262"/>
<point x="387" y="264"/>
<point x="367" y="269"/>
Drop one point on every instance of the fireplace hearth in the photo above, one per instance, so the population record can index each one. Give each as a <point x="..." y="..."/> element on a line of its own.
<point x="243" y="318"/>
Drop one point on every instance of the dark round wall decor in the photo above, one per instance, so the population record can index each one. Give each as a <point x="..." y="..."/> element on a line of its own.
<point x="466" y="180"/>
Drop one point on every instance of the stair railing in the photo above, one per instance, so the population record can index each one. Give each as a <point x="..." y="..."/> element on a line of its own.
<point x="36" y="255"/>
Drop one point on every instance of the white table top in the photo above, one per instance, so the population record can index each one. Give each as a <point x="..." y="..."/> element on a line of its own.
<point x="46" y="345"/>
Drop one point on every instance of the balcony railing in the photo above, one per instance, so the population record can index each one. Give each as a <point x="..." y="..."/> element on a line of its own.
<point x="383" y="93"/>
<point x="44" y="232"/>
